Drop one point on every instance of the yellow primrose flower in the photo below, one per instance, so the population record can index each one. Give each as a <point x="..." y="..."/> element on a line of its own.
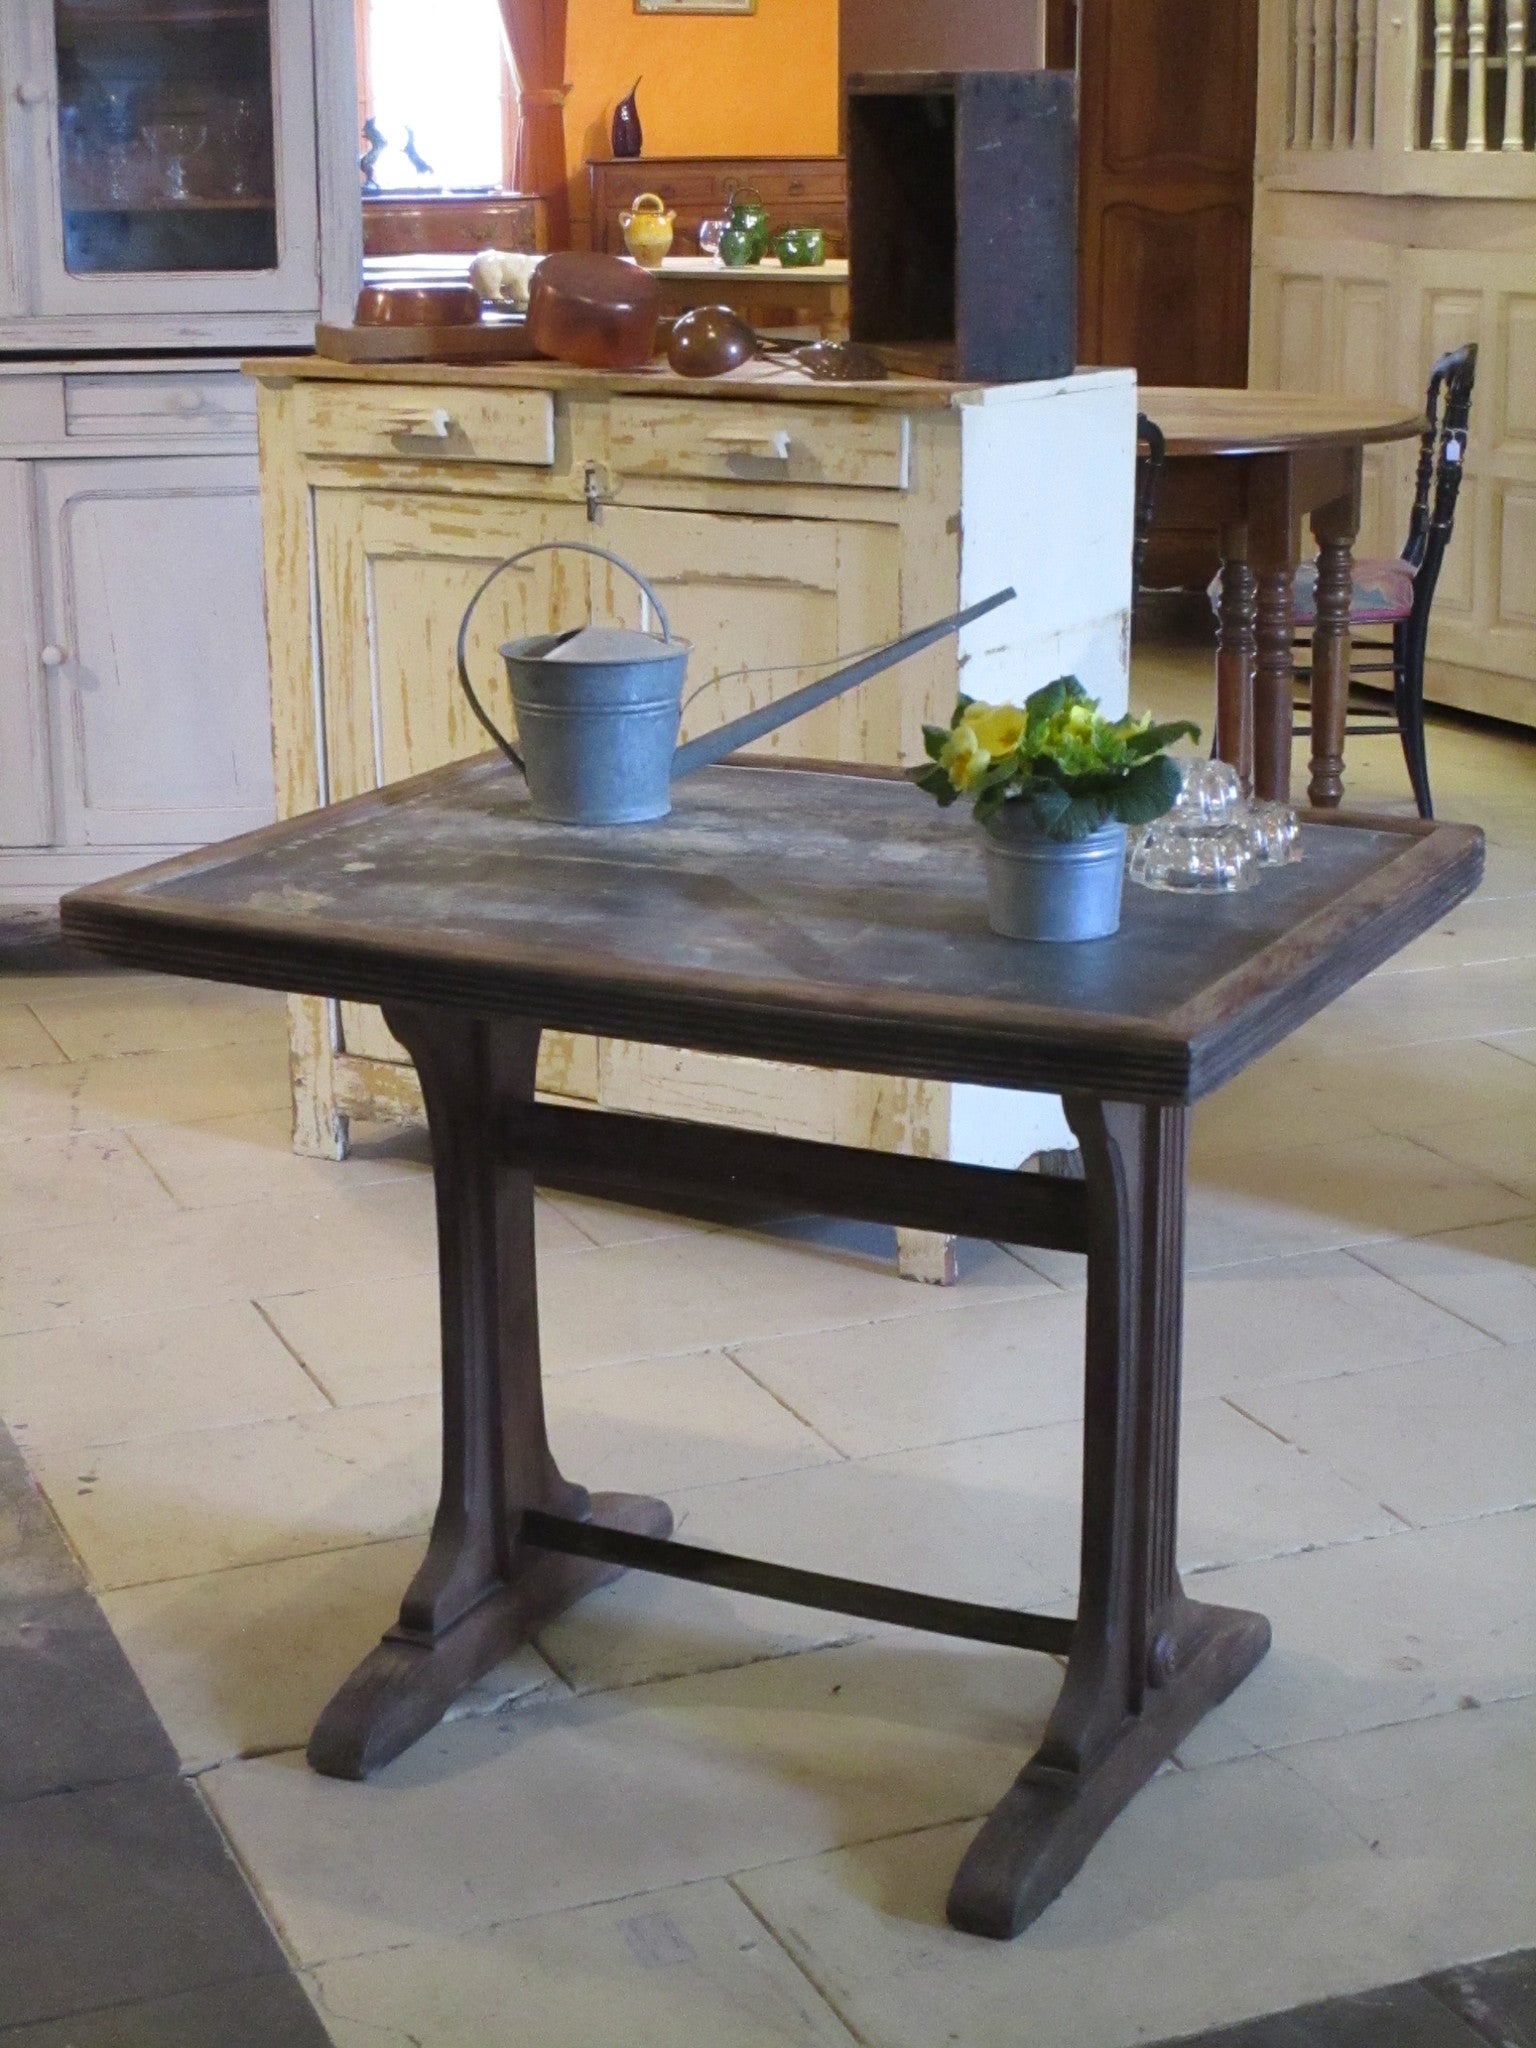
<point x="964" y="759"/>
<point x="998" y="727"/>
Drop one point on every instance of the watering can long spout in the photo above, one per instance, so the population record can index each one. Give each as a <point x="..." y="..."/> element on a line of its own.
<point x="714" y="746"/>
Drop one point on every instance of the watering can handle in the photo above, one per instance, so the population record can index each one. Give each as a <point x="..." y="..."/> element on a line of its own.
<point x="544" y="547"/>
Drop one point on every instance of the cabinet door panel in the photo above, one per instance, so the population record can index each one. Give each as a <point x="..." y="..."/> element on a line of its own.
<point x="750" y="592"/>
<point x="171" y="158"/>
<point x="396" y="575"/>
<point x="161" y="712"/>
<point x="26" y="788"/>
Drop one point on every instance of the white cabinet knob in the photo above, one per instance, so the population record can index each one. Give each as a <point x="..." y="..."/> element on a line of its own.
<point x="186" y="401"/>
<point x="53" y="656"/>
<point x="33" y="92"/>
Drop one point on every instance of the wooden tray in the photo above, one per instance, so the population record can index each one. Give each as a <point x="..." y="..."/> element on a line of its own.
<point x="495" y="338"/>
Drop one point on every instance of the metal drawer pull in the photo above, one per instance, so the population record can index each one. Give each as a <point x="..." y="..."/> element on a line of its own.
<point x="769" y="444"/>
<point x="435" y="425"/>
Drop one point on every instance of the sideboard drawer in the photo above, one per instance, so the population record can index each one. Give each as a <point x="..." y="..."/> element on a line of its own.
<point x="427" y="422"/>
<point x="746" y="443"/>
<point x="157" y="404"/>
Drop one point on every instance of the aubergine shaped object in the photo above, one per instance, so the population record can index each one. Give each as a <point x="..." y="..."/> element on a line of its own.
<point x="627" y="137"/>
<point x="707" y="341"/>
<point x="595" y="311"/>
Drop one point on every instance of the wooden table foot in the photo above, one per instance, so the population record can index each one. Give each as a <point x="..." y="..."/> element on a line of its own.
<point x="405" y="1686"/>
<point x="1146" y="1661"/>
<point x="1039" y="1836"/>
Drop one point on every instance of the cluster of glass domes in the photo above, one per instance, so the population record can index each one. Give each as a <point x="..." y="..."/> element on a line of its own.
<point x="1214" y="839"/>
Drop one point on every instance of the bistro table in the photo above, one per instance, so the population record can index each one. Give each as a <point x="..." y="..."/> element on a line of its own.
<point x="835" y="918"/>
<point x="1257" y="463"/>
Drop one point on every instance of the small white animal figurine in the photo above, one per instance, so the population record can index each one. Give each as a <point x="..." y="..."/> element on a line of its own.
<point x="503" y="276"/>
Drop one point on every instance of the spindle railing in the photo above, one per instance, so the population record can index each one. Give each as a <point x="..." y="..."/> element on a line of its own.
<point x="1333" y="74"/>
<point x="1473" y="84"/>
<point x="1473" y="97"/>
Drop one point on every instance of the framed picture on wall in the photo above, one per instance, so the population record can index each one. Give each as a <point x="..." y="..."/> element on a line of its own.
<point x="695" y="6"/>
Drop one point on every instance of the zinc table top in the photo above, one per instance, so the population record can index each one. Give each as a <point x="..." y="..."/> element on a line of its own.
<point x="800" y="914"/>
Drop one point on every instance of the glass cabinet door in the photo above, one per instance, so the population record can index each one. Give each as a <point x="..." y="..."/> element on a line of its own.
<point x="166" y="151"/>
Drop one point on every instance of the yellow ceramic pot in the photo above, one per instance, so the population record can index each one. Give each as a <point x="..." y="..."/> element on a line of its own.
<point x="648" y="229"/>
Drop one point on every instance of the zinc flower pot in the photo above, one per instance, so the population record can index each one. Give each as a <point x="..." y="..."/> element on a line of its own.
<point x="1051" y="889"/>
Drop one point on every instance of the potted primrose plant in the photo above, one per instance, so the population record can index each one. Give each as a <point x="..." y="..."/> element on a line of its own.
<point x="1054" y="785"/>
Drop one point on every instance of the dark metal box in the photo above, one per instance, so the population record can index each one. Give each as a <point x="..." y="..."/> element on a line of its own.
<point x="962" y="228"/>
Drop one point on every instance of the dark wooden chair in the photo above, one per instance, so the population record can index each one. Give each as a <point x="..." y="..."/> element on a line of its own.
<point x="1150" y="451"/>
<point x="1399" y="593"/>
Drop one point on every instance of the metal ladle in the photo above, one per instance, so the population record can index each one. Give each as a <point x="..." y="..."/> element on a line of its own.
<point x="710" y="340"/>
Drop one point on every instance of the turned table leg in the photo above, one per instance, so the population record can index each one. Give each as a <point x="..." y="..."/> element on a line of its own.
<point x="481" y="1590"/>
<point x="1235" y="651"/>
<point x="1334" y="527"/>
<point x="1146" y="1663"/>
<point x="1273" y="687"/>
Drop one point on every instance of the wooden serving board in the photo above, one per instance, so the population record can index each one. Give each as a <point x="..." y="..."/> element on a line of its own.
<point x="496" y="338"/>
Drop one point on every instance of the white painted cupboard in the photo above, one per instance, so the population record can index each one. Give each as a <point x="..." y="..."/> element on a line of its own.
<point x="176" y="178"/>
<point x="784" y="526"/>
<point x="176" y="183"/>
<point x="1395" y="218"/>
<point x="134" y="709"/>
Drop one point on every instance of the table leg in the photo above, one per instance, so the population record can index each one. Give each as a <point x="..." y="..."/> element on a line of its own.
<point x="481" y="1591"/>
<point x="1146" y="1663"/>
<point x="1334" y="527"/>
<point x="1235" y="650"/>
<point x="1274" y="687"/>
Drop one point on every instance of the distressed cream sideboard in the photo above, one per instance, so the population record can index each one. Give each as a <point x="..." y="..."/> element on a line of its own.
<point x="781" y="524"/>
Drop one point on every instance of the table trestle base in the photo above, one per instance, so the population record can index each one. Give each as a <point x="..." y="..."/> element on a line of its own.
<point x="696" y="1168"/>
<point x="514" y="1542"/>
<point x="595" y="1539"/>
<point x="402" y="1689"/>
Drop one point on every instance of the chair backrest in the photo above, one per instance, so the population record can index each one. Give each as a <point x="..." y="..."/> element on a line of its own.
<point x="1442" y="451"/>
<point x="1150" y="451"/>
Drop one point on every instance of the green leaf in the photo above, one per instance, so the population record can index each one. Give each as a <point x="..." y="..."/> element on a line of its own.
<point x="935" y="739"/>
<point x="1083" y="814"/>
<point x="1045" y="702"/>
<point x="1147" y="792"/>
<point x="1048" y="804"/>
<point x="1140" y="744"/>
<point x="936" y="783"/>
<point x="962" y="705"/>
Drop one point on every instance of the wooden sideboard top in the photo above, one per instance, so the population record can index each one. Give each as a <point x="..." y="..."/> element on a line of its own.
<point x="902" y="393"/>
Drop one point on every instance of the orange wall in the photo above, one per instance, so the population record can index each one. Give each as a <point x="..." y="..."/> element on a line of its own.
<point x="764" y="84"/>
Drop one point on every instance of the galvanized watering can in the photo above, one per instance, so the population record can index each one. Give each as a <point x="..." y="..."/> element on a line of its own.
<point x="598" y="708"/>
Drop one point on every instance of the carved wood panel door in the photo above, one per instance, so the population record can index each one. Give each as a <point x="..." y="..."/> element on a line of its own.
<point x="395" y="574"/>
<point x="1168" y="91"/>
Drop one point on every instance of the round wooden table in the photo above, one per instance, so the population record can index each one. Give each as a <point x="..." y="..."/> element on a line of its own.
<point x="1259" y="462"/>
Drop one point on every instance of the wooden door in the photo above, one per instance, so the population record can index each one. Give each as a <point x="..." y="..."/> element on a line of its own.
<point x="1168" y="92"/>
<point x="395" y="576"/>
<point x="155" y="649"/>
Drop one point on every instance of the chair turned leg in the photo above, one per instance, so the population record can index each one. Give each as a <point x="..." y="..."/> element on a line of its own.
<point x="1236" y="647"/>
<point x="1408" y="693"/>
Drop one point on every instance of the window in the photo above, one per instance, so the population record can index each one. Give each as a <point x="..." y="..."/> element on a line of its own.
<point x="442" y="71"/>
